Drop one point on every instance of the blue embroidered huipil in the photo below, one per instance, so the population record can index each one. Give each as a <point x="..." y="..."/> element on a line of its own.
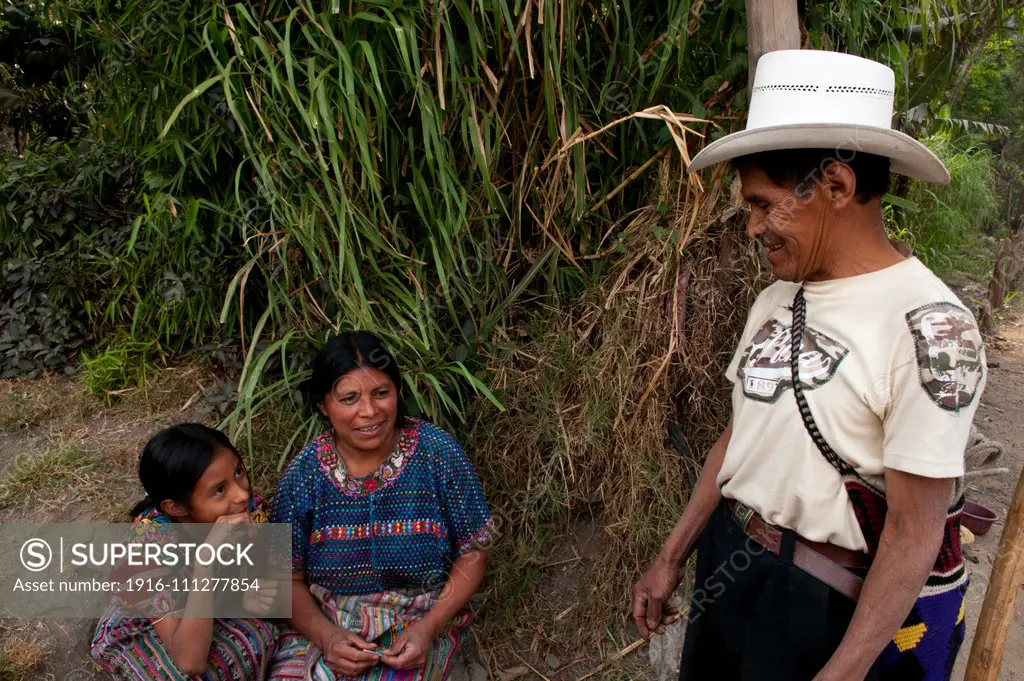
<point x="399" y="527"/>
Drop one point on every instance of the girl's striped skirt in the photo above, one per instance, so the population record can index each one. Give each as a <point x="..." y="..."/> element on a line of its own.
<point x="130" y="649"/>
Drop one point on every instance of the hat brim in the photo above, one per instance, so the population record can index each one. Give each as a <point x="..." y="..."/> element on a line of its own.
<point x="907" y="156"/>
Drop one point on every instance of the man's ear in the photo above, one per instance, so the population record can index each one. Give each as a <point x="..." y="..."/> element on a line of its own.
<point x="841" y="183"/>
<point x="173" y="508"/>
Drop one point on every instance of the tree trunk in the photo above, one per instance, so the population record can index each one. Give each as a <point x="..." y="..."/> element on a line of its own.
<point x="771" y="25"/>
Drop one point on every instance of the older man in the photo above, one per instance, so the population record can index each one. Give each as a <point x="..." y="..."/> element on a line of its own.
<point x="827" y="516"/>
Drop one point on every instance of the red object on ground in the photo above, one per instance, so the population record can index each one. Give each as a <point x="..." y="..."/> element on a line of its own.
<point x="977" y="518"/>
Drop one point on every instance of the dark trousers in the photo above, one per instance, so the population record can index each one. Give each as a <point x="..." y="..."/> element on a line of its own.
<point x="754" y="616"/>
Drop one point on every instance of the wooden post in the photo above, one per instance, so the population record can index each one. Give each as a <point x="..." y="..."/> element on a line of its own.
<point x="771" y="25"/>
<point x="1001" y="598"/>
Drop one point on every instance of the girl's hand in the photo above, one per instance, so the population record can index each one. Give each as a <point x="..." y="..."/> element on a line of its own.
<point x="243" y="517"/>
<point x="222" y="530"/>
<point x="346" y="654"/>
<point x="411" y="649"/>
<point x="260" y="602"/>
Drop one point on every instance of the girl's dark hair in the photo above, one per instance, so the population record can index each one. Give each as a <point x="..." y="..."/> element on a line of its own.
<point x="174" y="459"/>
<point x="804" y="168"/>
<point x="342" y="354"/>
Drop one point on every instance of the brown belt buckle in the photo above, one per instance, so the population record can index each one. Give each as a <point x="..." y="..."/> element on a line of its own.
<point x="742" y="514"/>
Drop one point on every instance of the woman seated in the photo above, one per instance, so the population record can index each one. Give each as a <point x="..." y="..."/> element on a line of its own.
<point x="390" y="529"/>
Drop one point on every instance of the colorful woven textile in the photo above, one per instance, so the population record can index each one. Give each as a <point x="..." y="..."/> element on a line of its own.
<point x="128" y="647"/>
<point x="131" y="649"/>
<point x="925" y="647"/>
<point x="400" y="527"/>
<point x="378" y="618"/>
<point x="870" y="506"/>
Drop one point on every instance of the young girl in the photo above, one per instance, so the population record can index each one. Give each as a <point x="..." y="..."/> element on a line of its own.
<point x="191" y="474"/>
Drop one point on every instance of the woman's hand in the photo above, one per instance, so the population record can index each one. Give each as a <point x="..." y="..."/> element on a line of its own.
<point x="411" y="648"/>
<point x="346" y="654"/>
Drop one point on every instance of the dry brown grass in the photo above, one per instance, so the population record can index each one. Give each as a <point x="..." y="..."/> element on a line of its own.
<point x="20" y="659"/>
<point x="66" y="456"/>
<point x="589" y="387"/>
<point x="25" y="404"/>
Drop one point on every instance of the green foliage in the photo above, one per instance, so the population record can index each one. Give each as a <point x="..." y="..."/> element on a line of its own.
<point x="62" y="205"/>
<point x="120" y="365"/>
<point x="995" y="83"/>
<point x="388" y="147"/>
<point x="951" y="227"/>
<point x="992" y="92"/>
<point x="40" y="72"/>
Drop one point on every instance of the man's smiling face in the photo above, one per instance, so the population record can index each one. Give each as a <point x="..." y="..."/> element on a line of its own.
<point x="789" y="224"/>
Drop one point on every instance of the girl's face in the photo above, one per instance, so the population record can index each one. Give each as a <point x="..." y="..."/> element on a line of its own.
<point x="222" y="490"/>
<point x="362" y="408"/>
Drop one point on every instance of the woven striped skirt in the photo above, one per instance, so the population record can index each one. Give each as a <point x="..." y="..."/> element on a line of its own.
<point x="378" y="618"/>
<point x="130" y="649"/>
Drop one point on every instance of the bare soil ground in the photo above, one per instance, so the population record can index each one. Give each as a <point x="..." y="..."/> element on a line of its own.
<point x="1000" y="417"/>
<point x="67" y="457"/>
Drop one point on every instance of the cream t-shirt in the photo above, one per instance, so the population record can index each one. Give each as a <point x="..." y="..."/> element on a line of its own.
<point x="892" y="366"/>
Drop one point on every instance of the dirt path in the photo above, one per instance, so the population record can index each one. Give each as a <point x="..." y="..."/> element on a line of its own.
<point x="1001" y="418"/>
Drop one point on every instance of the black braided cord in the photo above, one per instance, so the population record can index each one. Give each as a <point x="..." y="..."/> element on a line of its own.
<point x="796" y="339"/>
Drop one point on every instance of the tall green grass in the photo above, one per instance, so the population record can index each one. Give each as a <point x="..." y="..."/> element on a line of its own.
<point x="419" y="169"/>
<point x="953" y="225"/>
<point x="415" y="164"/>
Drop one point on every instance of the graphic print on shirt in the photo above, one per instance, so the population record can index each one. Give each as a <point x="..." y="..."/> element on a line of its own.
<point x="765" y="371"/>
<point x="949" y="353"/>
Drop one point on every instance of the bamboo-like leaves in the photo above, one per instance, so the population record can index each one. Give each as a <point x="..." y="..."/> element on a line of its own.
<point x="422" y="165"/>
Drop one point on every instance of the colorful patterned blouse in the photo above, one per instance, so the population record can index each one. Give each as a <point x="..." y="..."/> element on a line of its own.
<point x="153" y="526"/>
<point x="399" y="527"/>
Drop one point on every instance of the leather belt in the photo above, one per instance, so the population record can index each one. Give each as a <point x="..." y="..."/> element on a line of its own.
<point x="827" y="562"/>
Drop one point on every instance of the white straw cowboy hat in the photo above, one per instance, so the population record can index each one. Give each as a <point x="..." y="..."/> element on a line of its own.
<point x="810" y="99"/>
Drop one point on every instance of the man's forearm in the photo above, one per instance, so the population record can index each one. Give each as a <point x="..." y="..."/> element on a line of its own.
<point x="906" y="554"/>
<point x="896" y="578"/>
<point x="706" y="496"/>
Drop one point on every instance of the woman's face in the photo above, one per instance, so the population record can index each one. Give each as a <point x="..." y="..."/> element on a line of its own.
<point x="222" y="490"/>
<point x="362" y="408"/>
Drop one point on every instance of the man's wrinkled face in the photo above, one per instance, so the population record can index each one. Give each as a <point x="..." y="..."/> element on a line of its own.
<point x="788" y="222"/>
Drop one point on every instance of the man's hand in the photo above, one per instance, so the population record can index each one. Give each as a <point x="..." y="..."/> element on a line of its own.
<point x="652" y="608"/>
<point x="346" y="654"/>
<point x="410" y="650"/>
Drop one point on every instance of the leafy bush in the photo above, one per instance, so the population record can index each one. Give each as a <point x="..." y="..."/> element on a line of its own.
<point x="952" y="225"/>
<point x="38" y="331"/>
<point x="63" y="209"/>
<point x="88" y="255"/>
